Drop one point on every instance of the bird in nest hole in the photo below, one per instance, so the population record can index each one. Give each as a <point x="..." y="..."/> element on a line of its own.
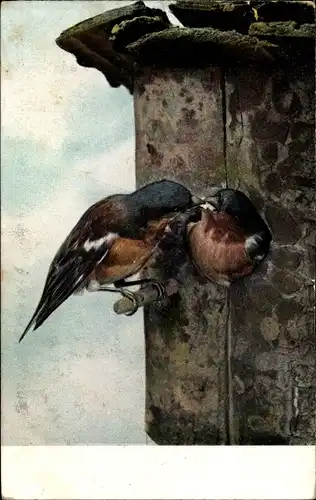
<point x="230" y="238"/>
<point x="112" y="241"/>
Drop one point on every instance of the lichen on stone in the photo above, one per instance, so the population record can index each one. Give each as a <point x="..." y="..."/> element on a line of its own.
<point x="283" y="29"/>
<point x="193" y="46"/>
<point x="283" y="10"/>
<point x="130" y="30"/>
<point x="208" y="6"/>
<point x="220" y="15"/>
<point x="139" y="20"/>
<point x="227" y="15"/>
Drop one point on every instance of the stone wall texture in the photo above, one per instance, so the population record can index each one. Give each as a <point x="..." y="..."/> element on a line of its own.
<point x="239" y="368"/>
<point x="271" y="155"/>
<point x="185" y="338"/>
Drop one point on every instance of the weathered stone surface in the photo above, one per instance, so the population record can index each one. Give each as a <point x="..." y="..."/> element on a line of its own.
<point x="191" y="47"/>
<point x="270" y="155"/>
<point x="286" y="257"/>
<point x="114" y="42"/>
<point x="130" y="30"/>
<point x="283" y="29"/>
<point x="220" y="15"/>
<point x="239" y="14"/>
<point x="271" y="311"/>
<point x="265" y="130"/>
<point x="285" y="228"/>
<point x="176" y="141"/>
<point x="285" y="98"/>
<point x="286" y="283"/>
<point x="301" y="12"/>
<point x="186" y="336"/>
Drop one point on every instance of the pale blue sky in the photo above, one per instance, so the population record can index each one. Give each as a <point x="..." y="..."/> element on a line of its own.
<point x="67" y="140"/>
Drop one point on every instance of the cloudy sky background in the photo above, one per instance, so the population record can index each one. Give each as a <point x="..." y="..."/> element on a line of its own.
<point x="67" y="140"/>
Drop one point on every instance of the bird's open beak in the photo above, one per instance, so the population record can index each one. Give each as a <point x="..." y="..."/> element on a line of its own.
<point x="211" y="199"/>
<point x="196" y="200"/>
<point x="210" y="203"/>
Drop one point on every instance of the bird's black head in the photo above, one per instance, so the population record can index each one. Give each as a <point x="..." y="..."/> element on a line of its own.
<point x="240" y="207"/>
<point x="163" y="197"/>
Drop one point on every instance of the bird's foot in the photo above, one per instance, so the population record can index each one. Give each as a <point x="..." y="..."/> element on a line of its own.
<point x="160" y="287"/>
<point x="95" y="286"/>
<point x="146" y="296"/>
<point x="145" y="281"/>
<point x="104" y="288"/>
<point x="131" y="296"/>
<point x="122" y="283"/>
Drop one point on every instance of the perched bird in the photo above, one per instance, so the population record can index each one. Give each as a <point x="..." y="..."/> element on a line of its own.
<point x="112" y="241"/>
<point x="230" y="239"/>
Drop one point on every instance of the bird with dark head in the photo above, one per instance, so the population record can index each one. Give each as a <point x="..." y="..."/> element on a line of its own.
<point x="230" y="239"/>
<point x="112" y="241"/>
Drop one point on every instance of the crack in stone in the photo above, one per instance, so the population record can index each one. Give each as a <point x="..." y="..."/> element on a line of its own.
<point x="229" y="406"/>
<point x="231" y="438"/>
<point x="224" y="119"/>
<point x="240" y="112"/>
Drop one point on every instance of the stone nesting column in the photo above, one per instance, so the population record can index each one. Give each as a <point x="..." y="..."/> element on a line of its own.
<point x="211" y="106"/>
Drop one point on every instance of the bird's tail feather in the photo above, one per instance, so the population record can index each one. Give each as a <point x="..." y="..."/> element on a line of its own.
<point x="41" y="305"/>
<point x="30" y="324"/>
<point x="45" y="308"/>
<point x="49" y="308"/>
<point x="60" y="288"/>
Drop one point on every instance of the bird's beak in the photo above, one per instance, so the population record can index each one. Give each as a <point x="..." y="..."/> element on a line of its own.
<point x="210" y="203"/>
<point x="211" y="200"/>
<point x="196" y="200"/>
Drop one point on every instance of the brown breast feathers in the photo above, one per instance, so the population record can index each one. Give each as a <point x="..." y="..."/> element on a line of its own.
<point x="127" y="256"/>
<point x="217" y="248"/>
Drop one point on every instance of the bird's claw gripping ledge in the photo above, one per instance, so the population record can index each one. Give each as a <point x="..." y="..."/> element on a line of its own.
<point x="132" y="299"/>
<point x="151" y="292"/>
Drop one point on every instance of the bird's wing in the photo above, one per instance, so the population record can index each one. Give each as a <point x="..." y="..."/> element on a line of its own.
<point x="76" y="259"/>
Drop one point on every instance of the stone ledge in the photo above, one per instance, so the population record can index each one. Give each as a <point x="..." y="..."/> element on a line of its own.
<point x="240" y="14"/>
<point x="196" y="46"/>
<point x="220" y="15"/>
<point x="120" y="40"/>
<point x="300" y="11"/>
<point x="132" y="29"/>
<point x="89" y="41"/>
